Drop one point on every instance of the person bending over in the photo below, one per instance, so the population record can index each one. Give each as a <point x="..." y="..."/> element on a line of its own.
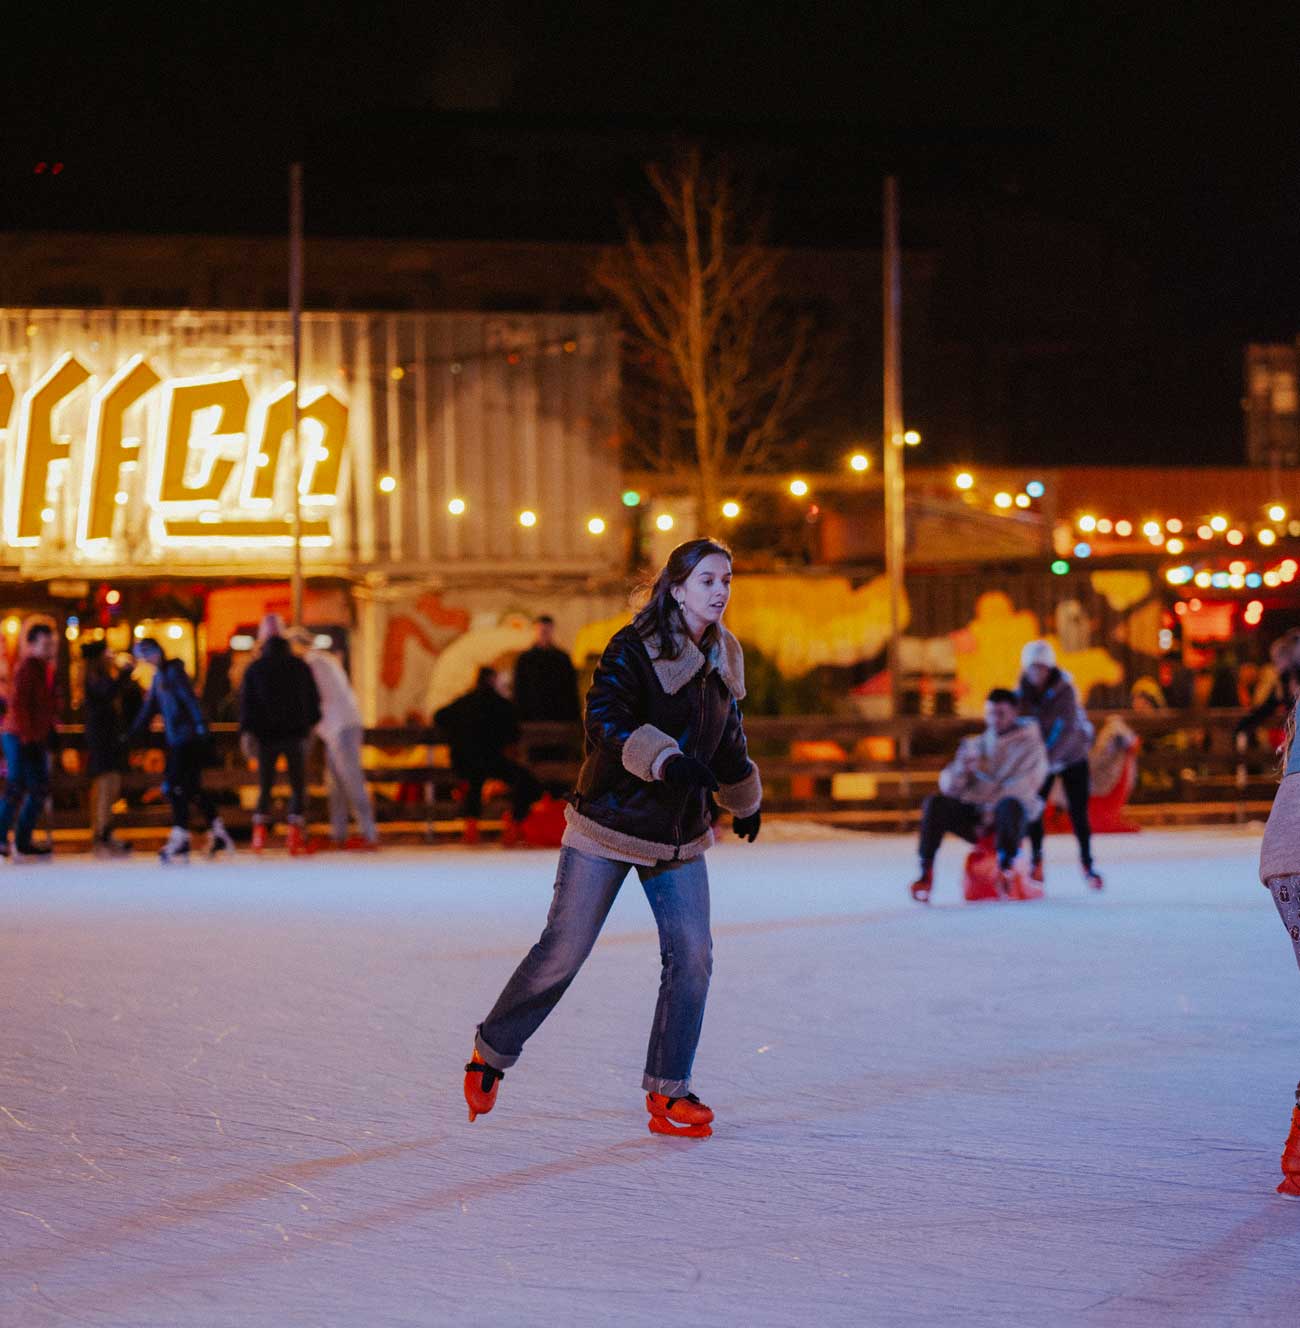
<point x="1048" y="696"/>
<point x="991" y="784"/>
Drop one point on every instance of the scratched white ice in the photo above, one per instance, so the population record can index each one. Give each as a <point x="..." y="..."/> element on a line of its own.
<point x="231" y="1095"/>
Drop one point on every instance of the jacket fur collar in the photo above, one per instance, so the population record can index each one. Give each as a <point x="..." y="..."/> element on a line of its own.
<point x="725" y="656"/>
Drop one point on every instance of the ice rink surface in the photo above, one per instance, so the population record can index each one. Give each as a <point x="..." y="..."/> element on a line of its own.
<point x="231" y="1095"/>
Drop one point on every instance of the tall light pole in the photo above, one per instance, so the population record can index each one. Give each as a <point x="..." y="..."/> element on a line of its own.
<point x="895" y="514"/>
<point x="295" y="319"/>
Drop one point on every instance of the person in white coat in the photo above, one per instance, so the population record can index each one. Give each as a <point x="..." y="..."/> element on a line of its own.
<point x="340" y="730"/>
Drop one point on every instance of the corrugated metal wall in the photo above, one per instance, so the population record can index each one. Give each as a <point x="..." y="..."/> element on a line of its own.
<point x="507" y="412"/>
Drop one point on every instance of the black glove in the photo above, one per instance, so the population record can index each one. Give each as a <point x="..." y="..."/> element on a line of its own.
<point x="747" y="826"/>
<point x="686" y="772"/>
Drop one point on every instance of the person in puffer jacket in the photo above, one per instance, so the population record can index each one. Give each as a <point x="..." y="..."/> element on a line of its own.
<point x="991" y="784"/>
<point x="663" y="732"/>
<point x="1048" y="695"/>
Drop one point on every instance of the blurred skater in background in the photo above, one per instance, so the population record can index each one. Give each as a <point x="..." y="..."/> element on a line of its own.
<point x="1049" y="696"/>
<point x="27" y="732"/>
<point x="340" y="731"/>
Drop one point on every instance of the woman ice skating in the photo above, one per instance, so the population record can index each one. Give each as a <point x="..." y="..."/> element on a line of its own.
<point x="1279" y="869"/>
<point x="663" y="731"/>
<point x="1048" y="694"/>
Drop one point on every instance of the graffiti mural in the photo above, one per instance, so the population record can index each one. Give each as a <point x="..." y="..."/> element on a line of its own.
<point x="814" y="643"/>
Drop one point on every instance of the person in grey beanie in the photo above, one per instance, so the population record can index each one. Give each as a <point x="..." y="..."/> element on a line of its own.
<point x="1048" y="695"/>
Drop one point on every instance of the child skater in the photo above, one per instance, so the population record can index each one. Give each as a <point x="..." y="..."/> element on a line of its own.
<point x="1279" y="869"/>
<point x="663" y="731"/>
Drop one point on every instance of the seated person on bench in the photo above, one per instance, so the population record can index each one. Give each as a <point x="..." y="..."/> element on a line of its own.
<point x="479" y="727"/>
<point x="991" y="786"/>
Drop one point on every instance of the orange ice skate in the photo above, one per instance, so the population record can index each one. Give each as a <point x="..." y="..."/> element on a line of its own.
<point x="1016" y="885"/>
<point x="922" y="888"/>
<point x="481" y="1084"/>
<point x="685" y="1116"/>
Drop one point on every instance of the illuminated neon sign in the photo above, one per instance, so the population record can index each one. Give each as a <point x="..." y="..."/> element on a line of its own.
<point x="211" y="456"/>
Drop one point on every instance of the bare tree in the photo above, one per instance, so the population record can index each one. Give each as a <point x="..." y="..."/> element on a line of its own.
<point x="715" y="368"/>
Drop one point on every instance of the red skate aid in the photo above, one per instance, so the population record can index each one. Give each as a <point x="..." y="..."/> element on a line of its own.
<point x="481" y="1084"/>
<point x="1290" y="1185"/>
<point x="685" y="1116"/>
<point x="983" y="878"/>
<point x="544" y="824"/>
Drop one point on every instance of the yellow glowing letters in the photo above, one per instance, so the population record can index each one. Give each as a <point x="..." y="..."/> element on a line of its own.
<point x="107" y="449"/>
<point x="208" y="472"/>
<point x="36" y="449"/>
<point x="321" y="460"/>
<point x="226" y="393"/>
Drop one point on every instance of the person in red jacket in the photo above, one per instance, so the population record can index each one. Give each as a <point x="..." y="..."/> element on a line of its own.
<point x="28" y="723"/>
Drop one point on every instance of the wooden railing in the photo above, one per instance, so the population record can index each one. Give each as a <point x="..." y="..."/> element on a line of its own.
<point x="866" y="772"/>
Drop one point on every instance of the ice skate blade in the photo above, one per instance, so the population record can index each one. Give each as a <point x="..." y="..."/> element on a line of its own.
<point x="661" y="1125"/>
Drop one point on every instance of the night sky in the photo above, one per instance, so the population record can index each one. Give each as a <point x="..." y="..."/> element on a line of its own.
<point x="1171" y="131"/>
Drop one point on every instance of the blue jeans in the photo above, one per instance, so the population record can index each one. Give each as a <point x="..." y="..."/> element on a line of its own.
<point x="26" y="787"/>
<point x="585" y="890"/>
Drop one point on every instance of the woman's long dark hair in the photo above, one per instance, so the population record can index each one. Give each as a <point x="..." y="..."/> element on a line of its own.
<point x="660" y="618"/>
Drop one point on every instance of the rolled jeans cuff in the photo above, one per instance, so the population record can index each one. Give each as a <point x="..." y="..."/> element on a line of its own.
<point x="666" y="1087"/>
<point x="490" y="1057"/>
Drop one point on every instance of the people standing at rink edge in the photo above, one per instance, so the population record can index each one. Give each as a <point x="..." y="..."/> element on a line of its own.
<point x="991" y="785"/>
<point x="106" y="687"/>
<point x="26" y="734"/>
<point x="546" y="683"/>
<point x="189" y="750"/>
<point x="663" y="731"/>
<point x="341" y="733"/>
<point x="1048" y="695"/>
<point x="279" y="706"/>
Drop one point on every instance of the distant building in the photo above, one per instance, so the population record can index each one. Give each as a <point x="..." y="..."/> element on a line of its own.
<point x="1270" y="404"/>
